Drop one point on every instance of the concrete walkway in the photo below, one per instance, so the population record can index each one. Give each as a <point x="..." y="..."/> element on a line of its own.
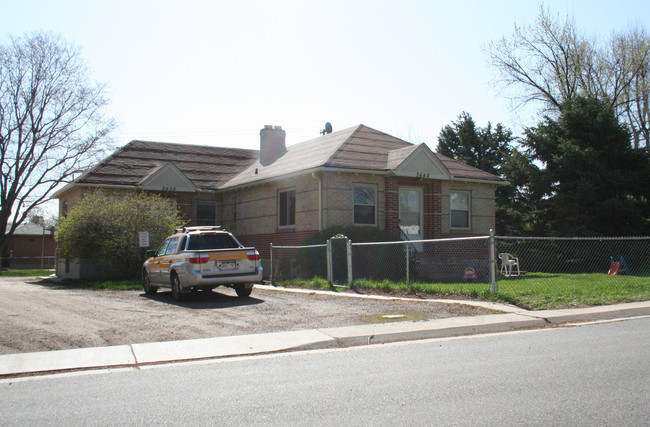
<point x="136" y="355"/>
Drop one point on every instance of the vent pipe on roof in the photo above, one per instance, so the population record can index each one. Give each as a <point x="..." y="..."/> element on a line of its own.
<point x="272" y="144"/>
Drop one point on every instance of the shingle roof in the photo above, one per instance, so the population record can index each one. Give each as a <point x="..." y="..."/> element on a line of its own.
<point x="356" y="148"/>
<point x="212" y="168"/>
<point x="207" y="167"/>
<point x="460" y="170"/>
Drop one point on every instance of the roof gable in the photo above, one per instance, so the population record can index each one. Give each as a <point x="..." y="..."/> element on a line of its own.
<point x="417" y="161"/>
<point x="167" y="178"/>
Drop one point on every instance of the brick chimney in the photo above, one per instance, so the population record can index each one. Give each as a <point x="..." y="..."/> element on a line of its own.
<point x="272" y="144"/>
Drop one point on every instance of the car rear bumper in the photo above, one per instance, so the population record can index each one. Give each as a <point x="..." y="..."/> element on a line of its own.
<point x="196" y="278"/>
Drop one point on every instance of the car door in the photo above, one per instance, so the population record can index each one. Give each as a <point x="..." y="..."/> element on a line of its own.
<point x="167" y="259"/>
<point x="155" y="266"/>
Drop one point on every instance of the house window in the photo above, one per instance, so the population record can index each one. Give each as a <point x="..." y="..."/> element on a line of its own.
<point x="206" y="210"/>
<point x="234" y="210"/>
<point x="459" y="202"/>
<point x="365" y="203"/>
<point x="287" y="208"/>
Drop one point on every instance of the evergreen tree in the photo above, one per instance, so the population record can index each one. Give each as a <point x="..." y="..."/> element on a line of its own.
<point x="585" y="179"/>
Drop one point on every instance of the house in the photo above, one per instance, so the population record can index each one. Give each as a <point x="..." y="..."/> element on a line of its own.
<point x="31" y="246"/>
<point x="284" y="194"/>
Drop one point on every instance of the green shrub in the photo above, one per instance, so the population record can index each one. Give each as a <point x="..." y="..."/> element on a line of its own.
<point x="102" y="229"/>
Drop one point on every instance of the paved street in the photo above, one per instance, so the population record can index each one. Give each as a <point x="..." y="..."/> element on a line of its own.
<point x="595" y="374"/>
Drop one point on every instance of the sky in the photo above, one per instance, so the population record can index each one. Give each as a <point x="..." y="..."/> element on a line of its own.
<point x="215" y="72"/>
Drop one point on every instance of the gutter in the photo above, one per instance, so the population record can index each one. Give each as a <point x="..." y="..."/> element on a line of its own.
<point x="320" y="200"/>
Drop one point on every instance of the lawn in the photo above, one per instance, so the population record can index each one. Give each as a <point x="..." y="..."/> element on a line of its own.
<point x="535" y="291"/>
<point x="29" y="273"/>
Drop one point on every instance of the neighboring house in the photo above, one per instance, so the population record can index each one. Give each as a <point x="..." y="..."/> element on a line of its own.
<point x="283" y="195"/>
<point x="31" y="246"/>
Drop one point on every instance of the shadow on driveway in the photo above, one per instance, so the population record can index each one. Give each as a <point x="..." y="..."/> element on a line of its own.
<point x="204" y="300"/>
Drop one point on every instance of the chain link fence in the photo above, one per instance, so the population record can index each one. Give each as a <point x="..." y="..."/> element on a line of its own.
<point x="489" y="260"/>
<point x="558" y="260"/>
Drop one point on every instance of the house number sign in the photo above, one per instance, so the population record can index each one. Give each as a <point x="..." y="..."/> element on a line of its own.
<point x="169" y="188"/>
<point x="422" y="175"/>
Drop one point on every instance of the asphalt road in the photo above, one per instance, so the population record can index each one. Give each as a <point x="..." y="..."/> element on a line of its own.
<point x="587" y="375"/>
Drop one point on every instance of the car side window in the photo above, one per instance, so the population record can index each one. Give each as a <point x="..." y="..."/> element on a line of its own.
<point x="163" y="248"/>
<point x="171" y="246"/>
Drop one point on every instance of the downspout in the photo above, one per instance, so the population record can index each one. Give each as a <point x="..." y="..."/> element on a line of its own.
<point x="320" y="200"/>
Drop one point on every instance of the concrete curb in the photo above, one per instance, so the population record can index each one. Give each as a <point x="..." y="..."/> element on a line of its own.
<point x="136" y="355"/>
<point x="439" y="328"/>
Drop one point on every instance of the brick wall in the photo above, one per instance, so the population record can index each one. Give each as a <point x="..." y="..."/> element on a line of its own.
<point x="27" y="250"/>
<point x="431" y="204"/>
<point x="338" y="197"/>
<point x="436" y="207"/>
<point x="482" y="208"/>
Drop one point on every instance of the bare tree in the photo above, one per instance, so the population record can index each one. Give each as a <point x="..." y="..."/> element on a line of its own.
<point x="549" y="62"/>
<point x="52" y="123"/>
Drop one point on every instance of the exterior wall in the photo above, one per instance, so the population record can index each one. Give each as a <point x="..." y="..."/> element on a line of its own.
<point x="186" y="202"/>
<point x="251" y="214"/>
<point x="338" y="198"/>
<point x="27" y="251"/>
<point x="437" y="213"/>
<point x="431" y="195"/>
<point x="482" y="217"/>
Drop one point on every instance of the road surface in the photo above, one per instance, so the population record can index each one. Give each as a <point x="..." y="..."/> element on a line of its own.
<point x="595" y="374"/>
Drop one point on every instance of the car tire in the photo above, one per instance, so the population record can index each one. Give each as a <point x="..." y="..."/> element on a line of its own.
<point x="243" y="292"/>
<point x="149" y="289"/>
<point x="177" y="294"/>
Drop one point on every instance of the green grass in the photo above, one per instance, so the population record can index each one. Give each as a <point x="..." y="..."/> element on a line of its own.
<point x="29" y="272"/>
<point x="535" y="291"/>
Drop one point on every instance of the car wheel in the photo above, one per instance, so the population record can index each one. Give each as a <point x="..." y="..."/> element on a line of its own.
<point x="146" y="284"/>
<point x="243" y="292"/>
<point x="176" y="288"/>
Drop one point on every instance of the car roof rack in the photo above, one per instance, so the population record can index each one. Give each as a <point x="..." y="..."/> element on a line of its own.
<point x="200" y="228"/>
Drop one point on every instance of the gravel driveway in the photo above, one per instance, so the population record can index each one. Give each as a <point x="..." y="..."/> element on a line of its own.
<point x="38" y="315"/>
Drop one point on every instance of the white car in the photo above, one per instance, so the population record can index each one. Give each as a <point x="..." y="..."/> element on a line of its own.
<point x="201" y="258"/>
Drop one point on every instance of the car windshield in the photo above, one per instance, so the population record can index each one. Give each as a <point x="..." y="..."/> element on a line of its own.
<point x="200" y="242"/>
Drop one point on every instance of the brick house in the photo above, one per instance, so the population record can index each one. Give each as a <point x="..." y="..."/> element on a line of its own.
<point x="282" y="195"/>
<point x="31" y="246"/>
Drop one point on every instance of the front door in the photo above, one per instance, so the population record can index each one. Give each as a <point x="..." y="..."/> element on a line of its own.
<point x="410" y="215"/>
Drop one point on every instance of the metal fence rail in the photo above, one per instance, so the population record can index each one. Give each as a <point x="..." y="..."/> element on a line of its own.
<point x="483" y="260"/>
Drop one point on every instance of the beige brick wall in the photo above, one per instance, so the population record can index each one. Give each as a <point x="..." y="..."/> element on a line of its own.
<point x="338" y="199"/>
<point x="482" y="207"/>
<point x="257" y="206"/>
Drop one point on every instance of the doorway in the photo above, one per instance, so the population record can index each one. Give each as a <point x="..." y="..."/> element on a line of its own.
<point x="410" y="215"/>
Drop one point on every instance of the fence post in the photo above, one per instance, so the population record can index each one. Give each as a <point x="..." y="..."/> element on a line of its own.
<point x="408" y="268"/>
<point x="492" y="263"/>
<point x="329" y="261"/>
<point x="271" y="265"/>
<point x="349" y="253"/>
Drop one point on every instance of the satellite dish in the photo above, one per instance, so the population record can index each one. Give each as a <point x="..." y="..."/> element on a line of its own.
<point x="328" y="129"/>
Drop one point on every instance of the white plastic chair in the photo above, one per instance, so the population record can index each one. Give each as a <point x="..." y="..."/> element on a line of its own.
<point x="507" y="263"/>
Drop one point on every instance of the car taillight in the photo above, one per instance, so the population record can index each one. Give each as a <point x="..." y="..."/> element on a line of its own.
<point x="253" y="255"/>
<point x="199" y="258"/>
